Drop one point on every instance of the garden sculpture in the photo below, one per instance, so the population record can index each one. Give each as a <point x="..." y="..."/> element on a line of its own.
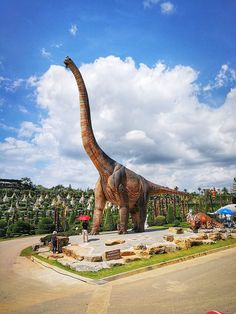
<point x="116" y="183"/>
<point x="201" y="220"/>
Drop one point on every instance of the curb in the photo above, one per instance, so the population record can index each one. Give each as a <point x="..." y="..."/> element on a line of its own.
<point x="129" y="273"/>
<point x="67" y="273"/>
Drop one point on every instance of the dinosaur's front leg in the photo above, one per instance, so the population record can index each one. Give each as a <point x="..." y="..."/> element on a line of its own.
<point x="100" y="202"/>
<point x="124" y="215"/>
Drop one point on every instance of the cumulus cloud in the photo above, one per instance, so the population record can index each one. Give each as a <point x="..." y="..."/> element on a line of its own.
<point x="149" y="119"/>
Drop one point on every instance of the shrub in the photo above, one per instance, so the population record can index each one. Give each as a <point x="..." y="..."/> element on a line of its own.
<point x="46" y="225"/>
<point x="3" y="228"/>
<point x="21" y="227"/>
<point x="176" y="223"/>
<point x="160" y="220"/>
<point x="150" y="218"/>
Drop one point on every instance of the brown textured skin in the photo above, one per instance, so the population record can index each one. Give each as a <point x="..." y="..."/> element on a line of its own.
<point x="202" y="220"/>
<point x="116" y="183"/>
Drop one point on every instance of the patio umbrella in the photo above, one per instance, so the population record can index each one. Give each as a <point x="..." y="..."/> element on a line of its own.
<point x="225" y="211"/>
<point x="84" y="217"/>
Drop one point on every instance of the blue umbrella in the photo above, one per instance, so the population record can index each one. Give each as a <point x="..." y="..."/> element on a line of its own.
<point x="225" y="211"/>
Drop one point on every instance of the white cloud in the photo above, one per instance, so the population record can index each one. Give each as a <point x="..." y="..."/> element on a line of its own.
<point x="7" y="127"/>
<point x="167" y="7"/>
<point x="149" y="119"/>
<point x="73" y="29"/>
<point x="23" y="109"/>
<point x="150" y="3"/>
<point x="46" y="54"/>
<point x="57" y="45"/>
<point x="28" y="129"/>
<point x="224" y="77"/>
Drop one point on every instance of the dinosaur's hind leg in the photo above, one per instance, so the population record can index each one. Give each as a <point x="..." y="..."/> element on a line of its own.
<point x="100" y="201"/>
<point x="135" y="219"/>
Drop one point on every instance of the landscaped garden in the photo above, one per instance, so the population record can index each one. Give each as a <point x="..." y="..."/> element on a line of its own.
<point x="30" y="209"/>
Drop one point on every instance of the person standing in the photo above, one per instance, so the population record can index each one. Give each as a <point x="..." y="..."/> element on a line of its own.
<point x="85" y="230"/>
<point x="54" y="242"/>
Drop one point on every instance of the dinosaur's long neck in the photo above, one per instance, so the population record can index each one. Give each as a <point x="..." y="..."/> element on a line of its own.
<point x="101" y="161"/>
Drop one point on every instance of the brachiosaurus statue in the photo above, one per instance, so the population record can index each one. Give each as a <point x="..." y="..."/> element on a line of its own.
<point x="116" y="183"/>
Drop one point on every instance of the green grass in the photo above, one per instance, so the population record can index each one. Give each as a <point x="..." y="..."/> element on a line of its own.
<point x="166" y="226"/>
<point x="154" y="260"/>
<point x="27" y="252"/>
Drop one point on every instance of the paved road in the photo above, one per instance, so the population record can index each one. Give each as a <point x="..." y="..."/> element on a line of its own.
<point x="195" y="287"/>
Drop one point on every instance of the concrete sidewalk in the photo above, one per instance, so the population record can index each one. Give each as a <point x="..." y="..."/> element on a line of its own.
<point x="96" y="244"/>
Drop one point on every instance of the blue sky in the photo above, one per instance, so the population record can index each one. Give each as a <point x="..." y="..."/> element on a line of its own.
<point x="193" y="42"/>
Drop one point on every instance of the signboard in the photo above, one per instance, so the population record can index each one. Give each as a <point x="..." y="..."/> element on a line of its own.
<point x="113" y="254"/>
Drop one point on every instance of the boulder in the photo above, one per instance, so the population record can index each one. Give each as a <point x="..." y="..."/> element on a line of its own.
<point x="215" y="236"/>
<point x="114" y="242"/>
<point x="117" y="262"/>
<point x="233" y="235"/>
<point x="93" y="258"/>
<point x="127" y="253"/>
<point x="208" y="241"/>
<point x="155" y="249"/>
<point x="74" y="251"/>
<point x="143" y="254"/>
<point x="195" y="242"/>
<point x="132" y="258"/>
<point x="55" y="256"/>
<point x="225" y="236"/>
<point x="171" y="247"/>
<point x="140" y="247"/>
<point x="183" y="243"/>
<point x="168" y="237"/>
<point x="201" y="236"/>
<point x="36" y="246"/>
<point x="176" y="230"/>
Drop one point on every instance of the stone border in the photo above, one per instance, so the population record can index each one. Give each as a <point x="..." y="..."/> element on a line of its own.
<point x="131" y="272"/>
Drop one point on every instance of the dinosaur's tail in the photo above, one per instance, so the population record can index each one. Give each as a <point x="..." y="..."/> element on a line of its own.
<point x="155" y="189"/>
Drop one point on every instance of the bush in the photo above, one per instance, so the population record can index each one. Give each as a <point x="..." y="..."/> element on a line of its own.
<point x="46" y="225"/>
<point x="176" y="223"/>
<point x="19" y="228"/>
<point x="160" y="220"/>
<point x="150" y="218"/>
<point x="3" y="228"/>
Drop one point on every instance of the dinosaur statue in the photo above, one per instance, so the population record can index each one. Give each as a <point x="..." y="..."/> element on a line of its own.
<point x="116" y="183"/>
<point x="201" y="220"/>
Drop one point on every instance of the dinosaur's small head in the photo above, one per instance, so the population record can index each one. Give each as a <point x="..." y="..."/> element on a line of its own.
<point x="67" y="61"/>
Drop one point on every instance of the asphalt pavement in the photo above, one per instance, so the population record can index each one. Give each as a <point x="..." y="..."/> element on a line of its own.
<point x="194" y="286"/>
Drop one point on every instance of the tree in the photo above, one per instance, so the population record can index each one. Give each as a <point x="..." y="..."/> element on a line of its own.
<point x="72" y="217"/>
<point x="27" y="182"/>
<point x="170" y="215"/>
<point x="108" y="224"/>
